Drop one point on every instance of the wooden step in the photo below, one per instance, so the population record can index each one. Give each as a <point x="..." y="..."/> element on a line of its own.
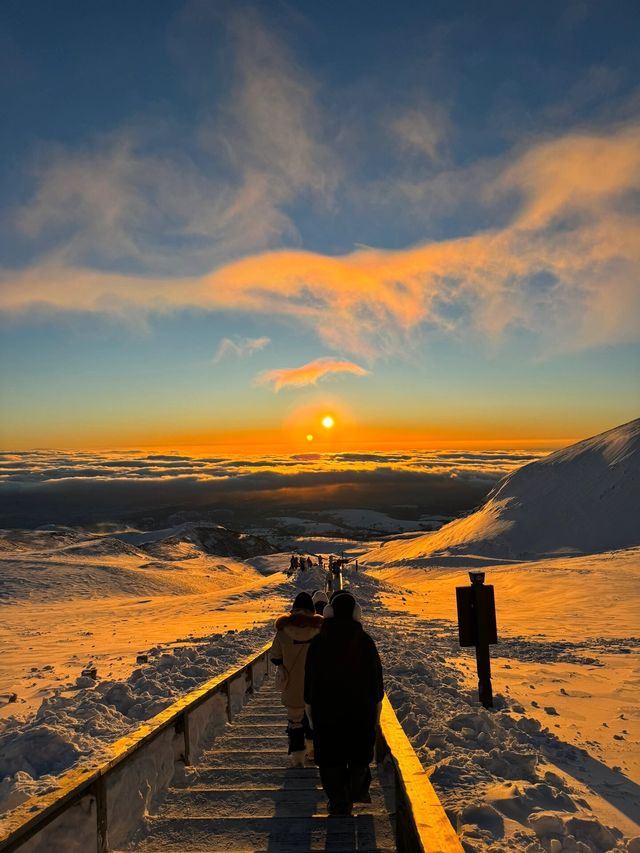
<point x="276" y="834"/>
<point x="267" y="698"/>
<point x="291" y="801"/>
<point x="244" y="730"/>
<point x="246" y="742"/>
<point x="251" y="778"/>
<point x="251" y="715"/>
<point x="264" y="850"/>
<point x="276" y="758"/>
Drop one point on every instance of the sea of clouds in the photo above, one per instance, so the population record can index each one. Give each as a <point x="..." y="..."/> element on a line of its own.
<point x="46" y="486"/>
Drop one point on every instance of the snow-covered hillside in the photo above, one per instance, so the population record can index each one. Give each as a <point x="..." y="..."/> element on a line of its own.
<point x="580" y="500"/>
<point x="207" y="537"/>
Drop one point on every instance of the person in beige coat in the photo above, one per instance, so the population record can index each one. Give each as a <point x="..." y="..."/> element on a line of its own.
<point x="294" y="632"/>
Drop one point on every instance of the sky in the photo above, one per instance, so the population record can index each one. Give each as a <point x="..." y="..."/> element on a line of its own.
<point x="222" y="222"/>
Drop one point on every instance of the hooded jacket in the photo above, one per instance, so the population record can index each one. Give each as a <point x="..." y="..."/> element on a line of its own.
<point x="294" y="632"/>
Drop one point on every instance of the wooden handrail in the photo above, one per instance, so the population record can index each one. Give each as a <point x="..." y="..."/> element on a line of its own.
<point x="36" y="812"/>
<point x="422" y="825"/>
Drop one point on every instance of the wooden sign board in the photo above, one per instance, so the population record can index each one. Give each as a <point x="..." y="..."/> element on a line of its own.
<point x="473" y="622"/>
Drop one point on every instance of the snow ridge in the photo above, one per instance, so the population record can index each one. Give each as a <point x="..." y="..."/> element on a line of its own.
<point x="582" y="499"/>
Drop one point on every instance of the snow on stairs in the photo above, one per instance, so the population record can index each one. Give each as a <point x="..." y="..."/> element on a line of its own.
<point x="243" y="796"/>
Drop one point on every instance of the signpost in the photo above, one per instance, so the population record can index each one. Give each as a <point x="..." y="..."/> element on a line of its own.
<point x="477" y="627"/>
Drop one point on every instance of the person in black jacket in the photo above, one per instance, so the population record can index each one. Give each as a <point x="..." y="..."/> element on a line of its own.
<point x="343" y="693"/>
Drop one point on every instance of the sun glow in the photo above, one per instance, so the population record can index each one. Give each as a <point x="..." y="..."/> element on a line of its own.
<point x="328" y="422"/>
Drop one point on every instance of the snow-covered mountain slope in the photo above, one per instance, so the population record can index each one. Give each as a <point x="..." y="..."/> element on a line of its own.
<point x="207" y="537"/>
<point x="582" y="499"/>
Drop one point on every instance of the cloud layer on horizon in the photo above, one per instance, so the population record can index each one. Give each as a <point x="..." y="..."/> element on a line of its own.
<point x="38" y="487"/>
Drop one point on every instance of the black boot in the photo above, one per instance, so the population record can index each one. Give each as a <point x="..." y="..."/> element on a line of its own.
<point x="295" y="731"/>
<point x="335" y="781"/>
<point x="359" y="782"/>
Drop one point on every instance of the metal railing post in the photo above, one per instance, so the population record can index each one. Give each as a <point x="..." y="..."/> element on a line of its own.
<point x="102" y="824"/>
<point x="182" y="727"/>
<point x="227" y="688"/>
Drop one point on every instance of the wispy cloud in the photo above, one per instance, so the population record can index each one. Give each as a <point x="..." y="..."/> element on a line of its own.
<point x="425" y="130"/>
<point x="564" y="267"/>
<point x="558" y="255"/>
<point x="134" y="195"/>
<point x="239" y="347"/>
<point x="308" y="374"/>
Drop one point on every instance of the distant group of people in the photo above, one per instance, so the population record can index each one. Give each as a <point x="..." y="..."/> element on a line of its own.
<point x="330" y="677"/>
<point x="300" y="563"/>
<point x="335" y="566"/>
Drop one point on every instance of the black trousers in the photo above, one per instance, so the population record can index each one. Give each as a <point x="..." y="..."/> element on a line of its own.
<point x="345" y="784"/>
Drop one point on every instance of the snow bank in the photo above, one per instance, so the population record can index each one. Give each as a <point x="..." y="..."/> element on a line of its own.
<point x="488" y="767"/>
<point x="133" y="787"/>
<point x="208" y="537"/>
<point x="67" y="729"/>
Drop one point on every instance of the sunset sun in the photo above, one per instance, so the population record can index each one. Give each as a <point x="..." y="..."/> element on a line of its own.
<point x="328" y="422"/>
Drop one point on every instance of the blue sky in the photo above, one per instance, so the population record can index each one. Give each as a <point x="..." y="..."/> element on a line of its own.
<point x="426" y="213"/>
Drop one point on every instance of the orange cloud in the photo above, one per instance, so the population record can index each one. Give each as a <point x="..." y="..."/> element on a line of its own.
<point x="579" y="172"/>
<point x="567" y="268"/>
<point x="308" y="374"/>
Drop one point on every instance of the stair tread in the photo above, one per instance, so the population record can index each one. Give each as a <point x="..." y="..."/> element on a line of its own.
<point x="281" y="834"/>
<point x="291" y="802"/>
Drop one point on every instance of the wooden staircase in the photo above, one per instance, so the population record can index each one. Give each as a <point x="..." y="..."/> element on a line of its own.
<point x="241" y="795"/>
<point x="157" y="790"/>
